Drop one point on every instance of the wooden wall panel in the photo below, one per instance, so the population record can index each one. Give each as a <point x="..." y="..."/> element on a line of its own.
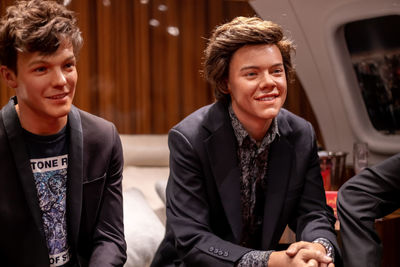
<point x="83" y="96"/>
<point x="144" y="78"/>
<point x="173" y="57"/>
<point x="200" y="30"/>
<point x="190" y="39"/>
<point x="106" y="38"/>
<point x="159" y="70"/>
<point x="5" y="92"/>
<point x="140" y="86"/>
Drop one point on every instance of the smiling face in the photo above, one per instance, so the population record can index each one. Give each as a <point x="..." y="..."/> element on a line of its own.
<point x="257" y="85"/>
<point x="45" y="87"/>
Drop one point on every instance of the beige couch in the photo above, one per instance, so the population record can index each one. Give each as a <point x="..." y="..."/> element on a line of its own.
<point x="146" y="171"/>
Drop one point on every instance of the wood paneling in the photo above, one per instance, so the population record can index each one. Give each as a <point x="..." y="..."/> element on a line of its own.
<point x="144" y="78"/>
<point x="5" y="92"/>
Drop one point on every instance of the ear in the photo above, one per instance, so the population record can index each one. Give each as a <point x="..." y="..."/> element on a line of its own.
<point x="227" y="88"/>
<point x="9" y="76"/>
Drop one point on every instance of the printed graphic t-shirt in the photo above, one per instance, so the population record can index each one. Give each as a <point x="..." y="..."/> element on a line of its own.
<point x="49" y="162"/>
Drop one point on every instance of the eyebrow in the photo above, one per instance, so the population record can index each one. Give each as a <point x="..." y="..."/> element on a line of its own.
<point x="42" y="61"/>
<point x="257" y="67"/>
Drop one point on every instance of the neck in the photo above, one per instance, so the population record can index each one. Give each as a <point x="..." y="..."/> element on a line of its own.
<point x="40" y="126"/>
<point x="256" y="130"/>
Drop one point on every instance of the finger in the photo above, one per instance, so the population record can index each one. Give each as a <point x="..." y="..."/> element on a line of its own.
<point x="317" y="255"/>
<point x="331" y="264"/>
<point x="292" y="249"/>
<point x="312" y="263"/>
<point x="295" y="247"/>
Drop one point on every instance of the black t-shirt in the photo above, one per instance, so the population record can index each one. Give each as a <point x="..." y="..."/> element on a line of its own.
<point x="49" y="162"/>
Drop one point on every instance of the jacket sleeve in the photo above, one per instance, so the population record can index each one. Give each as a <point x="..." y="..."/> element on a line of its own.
<point x="188" y="210"/>
<point x="109" y="247"/>
<point x="314" y="218"/>
<point x="372" y="194"/>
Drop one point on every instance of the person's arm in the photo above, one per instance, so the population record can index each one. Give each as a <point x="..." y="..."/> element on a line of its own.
<point x="372" y="194"/>
<point x="188" y="210"/>
<point x="313" y="219"/>
<point x="298" y="253"/>
<point x="255" y="258"/>
<point x="314" y="252"/>
<point x="109" y="247"/>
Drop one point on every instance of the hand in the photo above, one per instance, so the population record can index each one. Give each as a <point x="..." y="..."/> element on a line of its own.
<point x="314" y="263"/>
<point x="304" y="257"/>
<point x="318" y="255"/>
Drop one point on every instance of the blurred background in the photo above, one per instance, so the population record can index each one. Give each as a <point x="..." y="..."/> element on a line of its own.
<point x="140" y="66"/>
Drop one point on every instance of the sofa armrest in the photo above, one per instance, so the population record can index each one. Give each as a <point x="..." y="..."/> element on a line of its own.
<point x="145" y="150"/>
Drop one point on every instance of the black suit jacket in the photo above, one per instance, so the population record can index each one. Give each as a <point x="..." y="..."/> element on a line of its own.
<point x="372" y="194"/>
<point x="94" y="194"/>
<point x="204" y="219"/>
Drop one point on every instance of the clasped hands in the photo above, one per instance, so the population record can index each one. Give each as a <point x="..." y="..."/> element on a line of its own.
<point x="301" y="254"/>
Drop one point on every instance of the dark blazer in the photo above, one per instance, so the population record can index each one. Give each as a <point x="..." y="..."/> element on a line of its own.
<point x="372" y="194"/>
<point x="94" y="194"/>
<point x="203" y="192"/>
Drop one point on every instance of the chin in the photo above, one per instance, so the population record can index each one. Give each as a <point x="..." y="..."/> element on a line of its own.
<point x="61" y="113"/>
<point x="270" y="114"/>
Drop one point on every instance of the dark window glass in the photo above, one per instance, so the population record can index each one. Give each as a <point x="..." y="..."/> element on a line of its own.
<point x="374" y="45"/>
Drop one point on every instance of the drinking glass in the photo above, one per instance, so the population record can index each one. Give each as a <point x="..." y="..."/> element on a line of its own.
<point x="360" y="156"/>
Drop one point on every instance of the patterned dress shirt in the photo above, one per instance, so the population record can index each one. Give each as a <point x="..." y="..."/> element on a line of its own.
<point x="253" y="160"/>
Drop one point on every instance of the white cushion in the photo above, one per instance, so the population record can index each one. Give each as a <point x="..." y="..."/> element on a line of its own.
<point x="161" y="186"/>
<point x="143" y="229"/>
<point x="145" y="178"/>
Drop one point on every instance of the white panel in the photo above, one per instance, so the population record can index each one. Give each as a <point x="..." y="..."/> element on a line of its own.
<point x="324" y="68"/>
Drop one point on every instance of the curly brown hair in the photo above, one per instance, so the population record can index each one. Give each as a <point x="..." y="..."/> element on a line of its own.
<point x="226" y="39"/>
<point x="36" y="26"/>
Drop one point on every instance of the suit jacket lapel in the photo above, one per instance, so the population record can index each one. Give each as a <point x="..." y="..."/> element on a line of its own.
<point x="222" y="151"/>
<point x="221" y="148"/>
<point x="21" y="158"/>
<point x="75" y="174"/>
<point x="278" y="174"/>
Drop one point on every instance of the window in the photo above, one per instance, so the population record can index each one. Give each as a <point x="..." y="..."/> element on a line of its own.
<point x="374" y="45"/>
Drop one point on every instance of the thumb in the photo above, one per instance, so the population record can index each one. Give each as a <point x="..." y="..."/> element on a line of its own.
<point x="292" y="250"/>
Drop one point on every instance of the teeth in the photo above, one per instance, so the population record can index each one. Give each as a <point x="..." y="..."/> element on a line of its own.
<point x="267" y="98"/>
<point x="57" y="97"/>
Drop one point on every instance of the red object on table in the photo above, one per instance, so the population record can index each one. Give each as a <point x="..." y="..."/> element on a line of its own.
<point x="326" y="177"/>
<point x="331" y="197"/>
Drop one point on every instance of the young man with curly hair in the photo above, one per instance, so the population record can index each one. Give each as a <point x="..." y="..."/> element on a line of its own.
<point x="243" y="168"/>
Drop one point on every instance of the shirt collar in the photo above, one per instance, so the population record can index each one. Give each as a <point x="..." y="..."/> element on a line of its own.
<point x="241" y="133"/>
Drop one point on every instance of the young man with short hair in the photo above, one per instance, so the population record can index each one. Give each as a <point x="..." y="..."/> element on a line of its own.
<point x="61" y="168"/>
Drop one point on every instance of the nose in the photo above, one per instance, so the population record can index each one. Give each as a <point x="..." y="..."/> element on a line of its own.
<point x="267" y="80"/>
<point x="59" y="78"/>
